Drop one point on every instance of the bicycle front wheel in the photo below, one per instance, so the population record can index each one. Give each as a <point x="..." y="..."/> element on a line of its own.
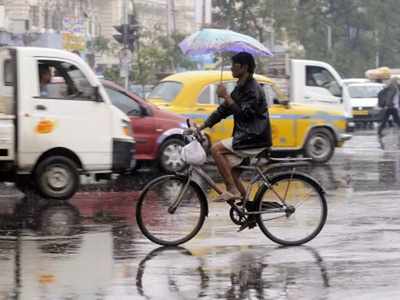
<point x="294" y="209"/>
<point x="164" y="225"/>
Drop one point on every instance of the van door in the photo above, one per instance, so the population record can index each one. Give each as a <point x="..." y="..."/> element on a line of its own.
<point x="61" y="111"/>
<point x="315" y="82"/>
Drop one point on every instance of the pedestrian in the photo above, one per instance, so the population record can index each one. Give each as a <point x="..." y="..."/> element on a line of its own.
<point x="388" y="100"/>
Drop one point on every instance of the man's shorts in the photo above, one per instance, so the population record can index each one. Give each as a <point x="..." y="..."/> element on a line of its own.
<point x="238" y="156"/>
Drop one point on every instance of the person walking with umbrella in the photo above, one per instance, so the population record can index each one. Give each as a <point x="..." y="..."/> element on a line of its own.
<point x="252" y="130"/>
<point x="389" y="100"/>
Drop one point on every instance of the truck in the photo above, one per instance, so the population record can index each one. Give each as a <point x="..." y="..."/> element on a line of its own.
<point x="51" y="133"/>
<point x="317" y="82"/>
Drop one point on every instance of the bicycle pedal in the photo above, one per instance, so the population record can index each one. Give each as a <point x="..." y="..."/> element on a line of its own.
<point x="247" y="224"/>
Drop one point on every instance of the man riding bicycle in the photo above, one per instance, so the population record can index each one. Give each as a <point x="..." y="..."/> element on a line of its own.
<point x="252" y="130"/>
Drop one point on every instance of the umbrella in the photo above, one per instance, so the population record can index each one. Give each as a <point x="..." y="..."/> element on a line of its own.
<point x="211" y="40"/>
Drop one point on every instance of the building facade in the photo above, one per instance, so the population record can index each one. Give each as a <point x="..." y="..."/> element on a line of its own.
<point x="163" y="15"/>
<point x="47" y="23"/>
<point x="70" y="24"/>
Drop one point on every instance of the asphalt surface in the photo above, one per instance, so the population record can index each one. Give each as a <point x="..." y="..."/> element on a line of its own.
<point x="91" y="248"/>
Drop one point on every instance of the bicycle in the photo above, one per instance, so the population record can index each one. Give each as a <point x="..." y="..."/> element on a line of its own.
<point x="172" y="208"/>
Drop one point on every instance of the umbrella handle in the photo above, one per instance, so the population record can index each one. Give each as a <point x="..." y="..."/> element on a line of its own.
<point x="222" y="65"/>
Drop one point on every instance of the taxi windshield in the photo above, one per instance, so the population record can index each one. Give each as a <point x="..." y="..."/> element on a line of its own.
<point x="166" y="90"/>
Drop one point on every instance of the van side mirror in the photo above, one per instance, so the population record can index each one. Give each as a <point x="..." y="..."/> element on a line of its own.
<point x="337" y="90"/>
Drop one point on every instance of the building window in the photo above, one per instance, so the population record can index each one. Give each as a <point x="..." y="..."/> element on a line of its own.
<point x="56" y="21"/>
<point x="34" y="13"/>
<point x="46" y="19"/>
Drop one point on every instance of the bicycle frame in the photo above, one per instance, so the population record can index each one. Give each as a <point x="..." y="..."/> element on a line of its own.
<point x="260" y="169"/>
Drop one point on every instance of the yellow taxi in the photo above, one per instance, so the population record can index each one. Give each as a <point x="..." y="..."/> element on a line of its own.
<point x="296" y="128"/>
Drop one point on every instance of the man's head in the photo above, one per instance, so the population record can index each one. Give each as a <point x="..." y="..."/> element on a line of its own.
<point x="44" y="74"/>
<point x="242" y="63"/>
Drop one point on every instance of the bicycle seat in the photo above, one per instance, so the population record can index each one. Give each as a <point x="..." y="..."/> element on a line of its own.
<point x="264" y="154"/>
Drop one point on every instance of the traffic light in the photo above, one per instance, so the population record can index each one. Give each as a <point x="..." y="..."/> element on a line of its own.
<point x="128" y="33"/>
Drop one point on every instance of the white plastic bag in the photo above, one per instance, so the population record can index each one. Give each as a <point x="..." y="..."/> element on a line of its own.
<point x="193" y="153"/>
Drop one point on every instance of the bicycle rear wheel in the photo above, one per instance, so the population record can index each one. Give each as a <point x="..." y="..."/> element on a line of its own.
<point x="155" y="219"/>
<point x="294" y="209"/>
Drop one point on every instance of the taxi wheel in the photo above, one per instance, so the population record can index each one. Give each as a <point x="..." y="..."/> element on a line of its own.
<point x="170" y="156"/>
<point x="57" y="177"/>
<point x="320" y="145"/>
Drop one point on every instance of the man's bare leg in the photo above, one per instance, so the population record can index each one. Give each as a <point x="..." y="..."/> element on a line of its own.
<point x="238" y="182"/>
<point x="219" y="153"/>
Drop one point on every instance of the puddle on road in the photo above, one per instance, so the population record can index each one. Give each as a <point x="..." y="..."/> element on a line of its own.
<point x="90" y="247"/>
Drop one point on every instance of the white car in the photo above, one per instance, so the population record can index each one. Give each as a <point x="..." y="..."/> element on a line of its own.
<point x="349" y="81"/>
<point x="364" y="101"/>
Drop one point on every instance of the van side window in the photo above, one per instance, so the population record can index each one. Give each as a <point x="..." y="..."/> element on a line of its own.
<point x="322" y="78"/>
<point x="63" y="80"/>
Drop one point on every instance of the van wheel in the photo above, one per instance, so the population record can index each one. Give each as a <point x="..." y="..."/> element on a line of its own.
<point x="170" y="156"/>
<point x="319" y="146"/>
<point x="57" y="177"/>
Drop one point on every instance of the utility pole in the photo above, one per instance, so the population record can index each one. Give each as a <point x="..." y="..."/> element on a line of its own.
<point x="171" y="17"/>
<point x="203" y="13"/>
<point x="125" y="42"/>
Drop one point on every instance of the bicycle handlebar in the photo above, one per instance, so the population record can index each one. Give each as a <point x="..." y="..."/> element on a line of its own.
<point x="194" y="132"/>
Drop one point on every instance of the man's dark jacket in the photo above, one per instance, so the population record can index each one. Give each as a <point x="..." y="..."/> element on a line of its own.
<point x="386" y="96"/>
<point x="252" y="127"/>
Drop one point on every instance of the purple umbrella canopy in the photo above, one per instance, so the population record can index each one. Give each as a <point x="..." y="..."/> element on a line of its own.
<point x="211" y="40"/>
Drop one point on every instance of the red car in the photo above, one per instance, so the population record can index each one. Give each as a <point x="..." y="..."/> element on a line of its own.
<point x="157" y="132"/>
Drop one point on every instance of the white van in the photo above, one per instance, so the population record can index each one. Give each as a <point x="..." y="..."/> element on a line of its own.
<point x="55" y="130"/>
<point x="316" y="82"/>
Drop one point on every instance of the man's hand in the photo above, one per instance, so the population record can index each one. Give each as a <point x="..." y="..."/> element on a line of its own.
<point x="222" y="92"/>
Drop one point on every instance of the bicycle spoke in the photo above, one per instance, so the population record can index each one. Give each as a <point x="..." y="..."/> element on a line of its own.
<point x="304" y="204"/>
<point x="170" y="211"/>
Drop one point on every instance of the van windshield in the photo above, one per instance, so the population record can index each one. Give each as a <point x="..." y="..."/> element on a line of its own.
<point x="364" y="91"/>
<point x="166" y="90"/>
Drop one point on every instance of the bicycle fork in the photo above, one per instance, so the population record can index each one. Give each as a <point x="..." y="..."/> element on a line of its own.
<point x="178" y="200"/>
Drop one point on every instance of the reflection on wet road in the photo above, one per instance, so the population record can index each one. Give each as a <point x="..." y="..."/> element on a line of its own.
<point x="90" y="248"/>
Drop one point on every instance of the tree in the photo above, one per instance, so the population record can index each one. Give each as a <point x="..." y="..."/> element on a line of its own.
<point x="351" y="35"/>
<point x="160" y="58"/>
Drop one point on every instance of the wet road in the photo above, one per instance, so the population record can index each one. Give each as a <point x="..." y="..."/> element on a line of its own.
<point x="91" y="248"/>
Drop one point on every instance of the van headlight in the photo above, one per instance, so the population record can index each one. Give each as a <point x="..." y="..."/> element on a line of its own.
<point x="127" y="128"/>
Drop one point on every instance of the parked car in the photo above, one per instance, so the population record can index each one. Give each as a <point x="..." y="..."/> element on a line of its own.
<point x="313" y="130"/>
<point x="157" y="132"/>
<point x="364" y="101"/>
<point x="348" y="81"/>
